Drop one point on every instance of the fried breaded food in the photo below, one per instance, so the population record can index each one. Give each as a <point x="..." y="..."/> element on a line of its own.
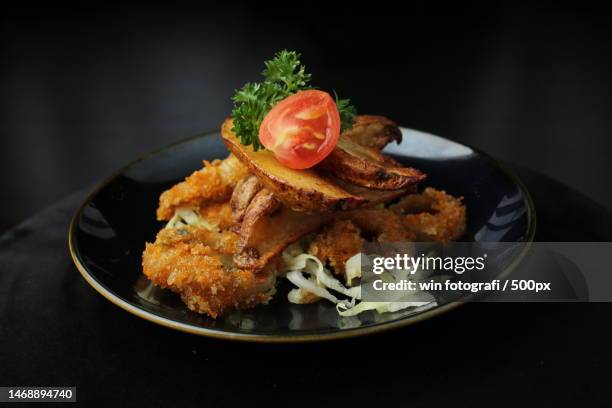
<point x="346" y="234"/>
<point x="196" y="264"/>
<point x="252" y="207"/>
<point x="219" y="214"/>
<point x="381" y="224"/>
<point x="336" y="243"/>
<point x="213" y="183"/>
<point x="433" y="215"/>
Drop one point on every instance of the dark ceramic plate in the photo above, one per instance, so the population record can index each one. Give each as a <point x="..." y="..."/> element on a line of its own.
<point x="108" y="233"/>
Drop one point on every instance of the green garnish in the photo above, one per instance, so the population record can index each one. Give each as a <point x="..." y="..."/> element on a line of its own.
<point x="347" y="113"/>
<point x="284" y="76"/>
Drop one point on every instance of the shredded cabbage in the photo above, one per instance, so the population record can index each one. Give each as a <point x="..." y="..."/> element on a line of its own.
<point x="301" y="282"/>
<point x="301" y="296"/>
<point x="323" y="276"/>
<point x="352" y="268"/>
<point x="188" y="216"/>
<point x="320" y="281"/>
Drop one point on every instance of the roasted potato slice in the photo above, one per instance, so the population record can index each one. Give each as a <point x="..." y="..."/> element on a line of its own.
<point x="263" y="204"/>
<point x="302" y="190"/>
<point x="368" y="167"/>
<point x="266" y="230"/>
<point x="241" y="197"/>
<point x="371" y="196"/>
<point x="374" y="131"/>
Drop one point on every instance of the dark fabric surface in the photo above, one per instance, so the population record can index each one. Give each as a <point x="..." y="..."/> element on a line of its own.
<point x="56" y="330"/>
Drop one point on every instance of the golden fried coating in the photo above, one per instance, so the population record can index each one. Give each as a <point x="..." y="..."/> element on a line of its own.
<point x="213" y="183"/>
<point x="219" y="214"/>
<point x="381" y="223"/>
<point x="196" y="263"/>
<point x="234" y="265"/>
<point x="433" y="215"/>
<point x="336" y="243"/>
<point x="223" y="243"/>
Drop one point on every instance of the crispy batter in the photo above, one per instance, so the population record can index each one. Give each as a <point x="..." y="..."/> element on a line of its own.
<point x="223" y="243"/>
<point x="433" y="215"/>
<point x="194" y="263"/>
<point x="381" y="223"/>
<point x="213" y="183"/>
<point x="259" y="214"/>
<point x="219" y="214"/>
<point x="336" y="243"/>
<point x="412" y="204"/>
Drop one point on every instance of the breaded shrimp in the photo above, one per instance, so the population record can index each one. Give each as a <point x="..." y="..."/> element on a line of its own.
<point x="196" y="264"/>
<point x="336" y="243"/>
<point x="213" y="183"/>
<point x="433" y="215"/>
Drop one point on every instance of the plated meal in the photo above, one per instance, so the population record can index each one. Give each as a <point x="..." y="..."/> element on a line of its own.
<point x="304" y="186"/>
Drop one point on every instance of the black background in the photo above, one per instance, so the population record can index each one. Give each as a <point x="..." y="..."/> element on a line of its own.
<point x="83" y="91"/>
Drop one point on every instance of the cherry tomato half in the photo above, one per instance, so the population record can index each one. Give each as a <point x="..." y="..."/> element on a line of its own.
<point x="302" y="129"/>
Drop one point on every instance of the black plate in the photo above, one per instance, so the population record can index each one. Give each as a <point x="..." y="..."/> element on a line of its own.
<point x="108" y="233"/>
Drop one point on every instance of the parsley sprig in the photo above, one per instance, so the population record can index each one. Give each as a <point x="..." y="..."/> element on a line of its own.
<point x="284" y="75"/>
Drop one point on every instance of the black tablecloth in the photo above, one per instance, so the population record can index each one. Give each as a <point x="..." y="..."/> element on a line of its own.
<point x="56" y="330"/>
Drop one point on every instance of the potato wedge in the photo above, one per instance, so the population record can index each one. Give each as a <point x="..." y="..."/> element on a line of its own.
<point x="263" y="204"/>
<point x="267" y="229"/>
<point x="368" y="167"/>
<point x="242" y="195"/>
<point x="374" y="131"/>
<point x="373" y="197"/>
<point x="301" y="190"/>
